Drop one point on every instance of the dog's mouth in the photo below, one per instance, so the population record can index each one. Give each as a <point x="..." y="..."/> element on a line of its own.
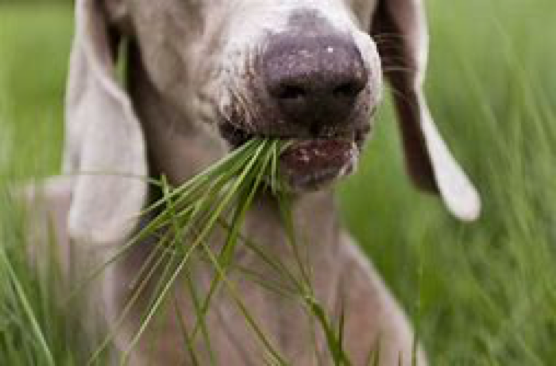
<point x="310" y="163"/>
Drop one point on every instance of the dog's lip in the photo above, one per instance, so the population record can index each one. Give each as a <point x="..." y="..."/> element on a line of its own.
<point x="310" y="163"/>
<point x="314" y="163"/>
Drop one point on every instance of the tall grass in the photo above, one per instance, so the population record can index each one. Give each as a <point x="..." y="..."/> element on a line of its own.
<point x="36" y="325"/>
<point x="483" y="293"/>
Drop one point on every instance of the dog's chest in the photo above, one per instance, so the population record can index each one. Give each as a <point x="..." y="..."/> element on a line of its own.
<point x="251" y="308"/>
<point x="246" y="319"/>
<point x="250" y="314"/>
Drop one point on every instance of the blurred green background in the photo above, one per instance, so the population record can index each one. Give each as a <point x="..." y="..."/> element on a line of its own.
<point x="479" y="294"/>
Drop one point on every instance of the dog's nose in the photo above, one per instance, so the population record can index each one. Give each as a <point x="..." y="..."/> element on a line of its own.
<point x="314" y="81"/>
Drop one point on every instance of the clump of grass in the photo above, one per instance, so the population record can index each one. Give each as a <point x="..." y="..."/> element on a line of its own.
<point x="191" y="213"/>
<point x="184" y="220"/>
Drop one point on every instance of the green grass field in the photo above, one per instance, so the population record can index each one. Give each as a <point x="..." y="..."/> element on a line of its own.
<point x="479" y="294"/>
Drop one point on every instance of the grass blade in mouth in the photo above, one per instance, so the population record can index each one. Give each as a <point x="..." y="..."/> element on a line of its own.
<point x="185" y="219"/>
<point x="191" y="213"/>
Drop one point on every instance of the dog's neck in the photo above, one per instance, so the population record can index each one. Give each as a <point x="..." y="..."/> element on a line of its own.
<point x="179" y="148"/>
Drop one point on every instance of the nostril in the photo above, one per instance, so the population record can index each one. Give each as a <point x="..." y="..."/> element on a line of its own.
<point x="290" y="92"/>
<point x="347" y="90"/>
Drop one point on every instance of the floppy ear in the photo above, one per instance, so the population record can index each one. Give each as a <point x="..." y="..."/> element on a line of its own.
<point x="105" y="145"/>
<point x="399" y="27"/>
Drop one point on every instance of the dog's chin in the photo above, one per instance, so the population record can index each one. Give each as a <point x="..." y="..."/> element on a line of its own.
<point x="309" y="164"/>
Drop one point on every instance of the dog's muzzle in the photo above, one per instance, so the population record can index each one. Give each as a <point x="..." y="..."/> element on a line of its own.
<point x="315" y="92"/>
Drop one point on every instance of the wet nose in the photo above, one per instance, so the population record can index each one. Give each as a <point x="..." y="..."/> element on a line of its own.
<point x="314" y="81"/>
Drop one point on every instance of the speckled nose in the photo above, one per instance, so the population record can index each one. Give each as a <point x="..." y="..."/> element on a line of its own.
<point x="314" y="80"/>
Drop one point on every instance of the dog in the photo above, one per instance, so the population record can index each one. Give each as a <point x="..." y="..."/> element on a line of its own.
<point x="203" y="77"/>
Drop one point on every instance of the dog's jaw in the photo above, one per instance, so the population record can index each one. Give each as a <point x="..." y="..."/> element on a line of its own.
<point x="314" y="164"/>
<point x="309" y="164"/>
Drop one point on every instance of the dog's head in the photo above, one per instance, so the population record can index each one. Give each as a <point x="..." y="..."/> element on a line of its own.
<point x="306" y="70"/>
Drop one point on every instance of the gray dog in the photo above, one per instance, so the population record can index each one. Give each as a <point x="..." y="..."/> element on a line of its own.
<point x="203" y="77"/>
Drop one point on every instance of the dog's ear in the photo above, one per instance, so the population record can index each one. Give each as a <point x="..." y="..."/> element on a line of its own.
<point x="105" y="145"/>
<point x="399" y="28"/>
